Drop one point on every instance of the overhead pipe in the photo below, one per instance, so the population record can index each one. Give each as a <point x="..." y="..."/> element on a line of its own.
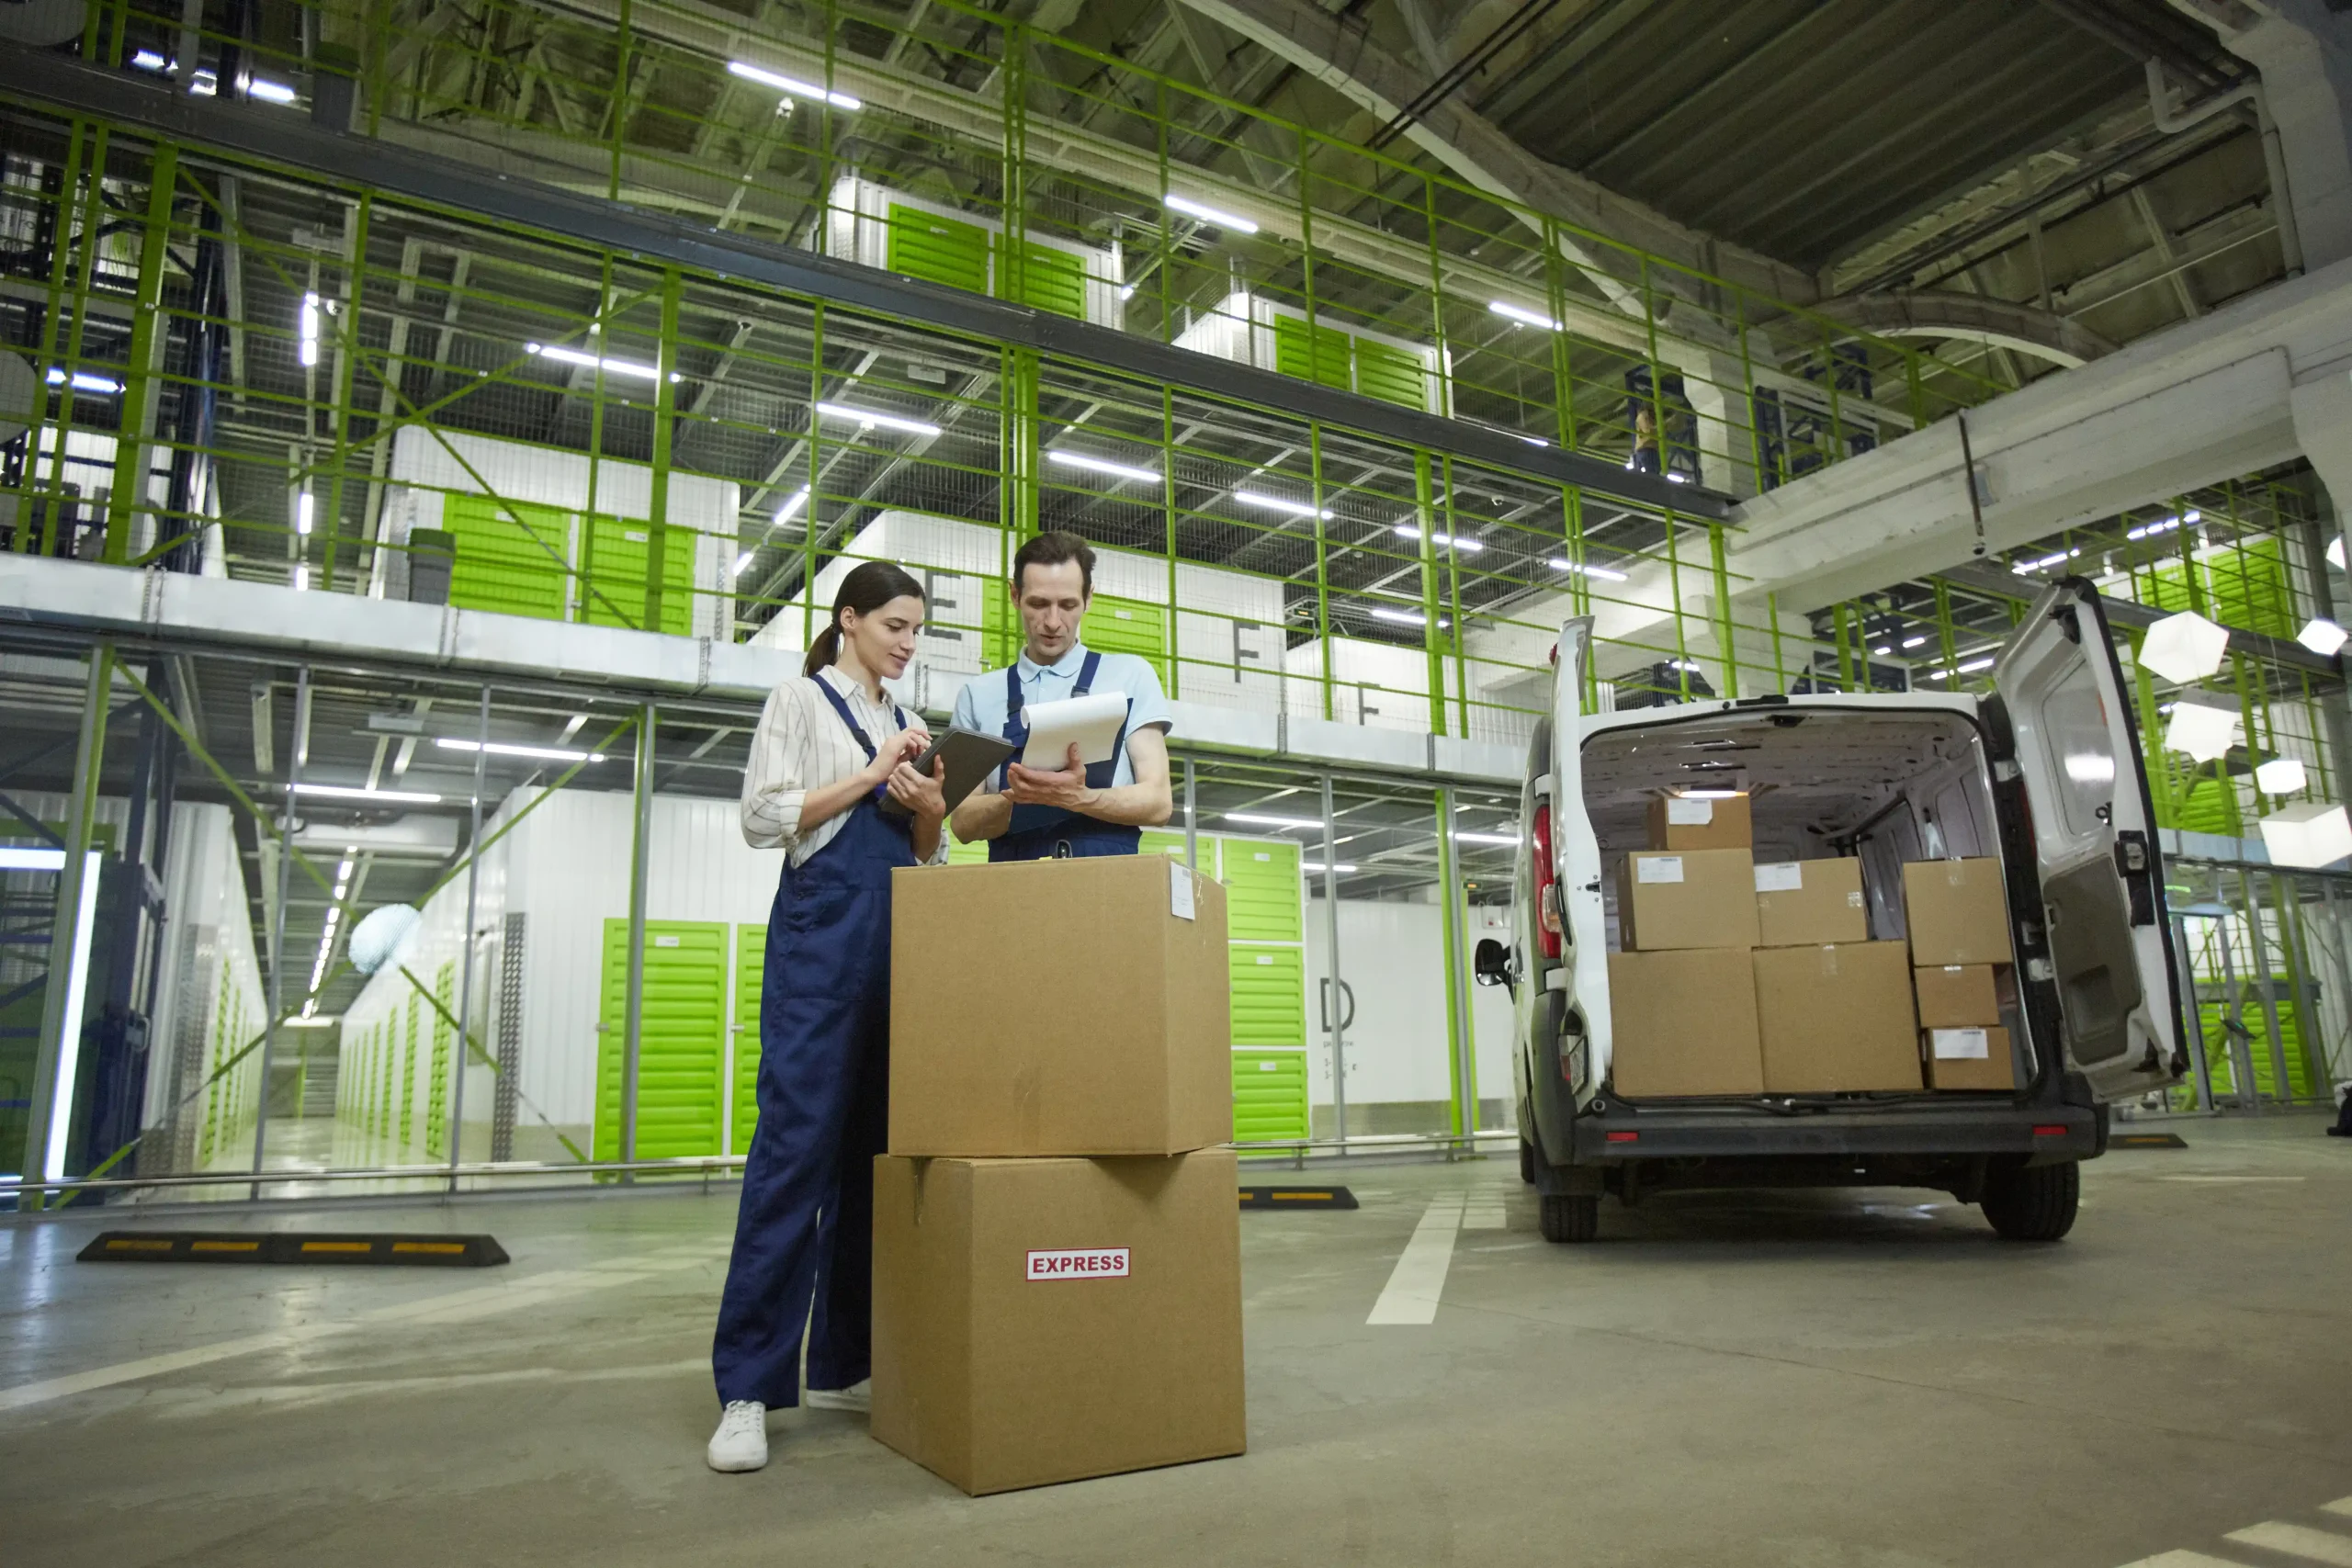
<point x="2274" y="160"/>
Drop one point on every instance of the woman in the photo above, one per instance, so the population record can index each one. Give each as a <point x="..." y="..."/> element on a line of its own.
<point x="829" y="750"/>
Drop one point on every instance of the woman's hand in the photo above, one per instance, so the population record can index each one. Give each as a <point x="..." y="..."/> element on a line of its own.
<point x="889" y="758"/>
<point x="923" y="795"/>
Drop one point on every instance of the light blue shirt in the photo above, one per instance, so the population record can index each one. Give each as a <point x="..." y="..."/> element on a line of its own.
<point x="981" y="705"/>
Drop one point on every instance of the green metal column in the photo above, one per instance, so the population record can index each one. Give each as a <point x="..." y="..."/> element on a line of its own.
<point x="1425" y="510"/>
<point x="142" y="391"/>
<point x="49" y="1121"/>
<point x="1020" y="442"/>
<point x="665" y="410"/>
<point x="633" y="1009"/>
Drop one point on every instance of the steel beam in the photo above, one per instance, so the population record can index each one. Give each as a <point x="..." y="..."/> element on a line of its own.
<point x="444" y="184"/>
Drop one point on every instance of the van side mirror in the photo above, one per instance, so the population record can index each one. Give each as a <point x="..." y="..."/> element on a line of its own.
<point x="1490" y="964"/>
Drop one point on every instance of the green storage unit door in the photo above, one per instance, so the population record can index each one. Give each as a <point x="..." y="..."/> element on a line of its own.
<point x="1001" y="636"/>
<point x="937" y="250"/>
<point x="682" y="1057"/>
<point x="1261" y="890"/>
<point x="1393" y="375"/>
<point x="436" y="1089"/>
<point x="1051" y="280"/>
<point x="1159" y="842"/>
<point x="751" y="969"/>
<point x="961" y="853"/>
<point x="512" y="557"/>
<point x="1269" y="994"/>
<point x="1269" y="1095"/>
<point x="391" y="1122"/>
<point x="1323" y="354"/>
<point x="612" y="590"/>
<point x="1128" y="626"/>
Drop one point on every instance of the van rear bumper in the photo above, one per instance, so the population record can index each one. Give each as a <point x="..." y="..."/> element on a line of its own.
<point x="1623" y="1135"/>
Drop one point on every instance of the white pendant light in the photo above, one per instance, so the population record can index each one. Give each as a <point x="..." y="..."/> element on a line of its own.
<point x="2322" y="637"/>
<point x="2280" y="775"/>
<point x="2308" y="836"/>
<point x="2184" y="647"/>
<point x="2205" y="733"/>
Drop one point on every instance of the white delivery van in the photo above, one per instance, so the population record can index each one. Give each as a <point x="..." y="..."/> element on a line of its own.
<point x="2045" y="774"/>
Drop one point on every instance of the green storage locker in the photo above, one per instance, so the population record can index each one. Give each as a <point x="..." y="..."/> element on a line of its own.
<point x="436" y="1089"/>
<point x="512" y="557"/>
<point x="1269" y="1095"/>
<point x="1314" y="352"/>
<point x="614" y="571"/>
<point x="750" y="970"/>
<point x="1393" y="375"/>
<point x="1128" y="626"/>
<point x="1261" y="890"/>
<point x="937" y="250"/>
<point x="1051" y="280"/>
<point x="682" y="1057"/>
<point x="404" y="1119"/>
<point x="1269" y="994"/>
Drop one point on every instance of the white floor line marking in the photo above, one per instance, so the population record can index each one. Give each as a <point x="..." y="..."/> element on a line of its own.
<point x="1418" y="1278"/>
<point x="2226" y="1181"/>
<point x="2341" y="1506"/>
<point x="2297" y="1541"/>
<point x="1483" y="1216"/>
<point x="2183" y="1560"/>
<point x="452" y="1306"/>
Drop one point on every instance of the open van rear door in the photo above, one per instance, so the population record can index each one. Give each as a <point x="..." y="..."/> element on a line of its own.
<point x="2094" y="844"/>
<point x="1576" y="853"/>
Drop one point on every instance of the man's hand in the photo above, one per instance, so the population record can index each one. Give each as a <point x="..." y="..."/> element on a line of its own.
<point x="925" y="796"/>
<point x="1040" y="786"/>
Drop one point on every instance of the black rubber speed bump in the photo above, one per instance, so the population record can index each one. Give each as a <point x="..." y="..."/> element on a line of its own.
<point x="2146" y="1141"/>
<point x="293" y="1247"/>
<point x="1297" y="1198"/>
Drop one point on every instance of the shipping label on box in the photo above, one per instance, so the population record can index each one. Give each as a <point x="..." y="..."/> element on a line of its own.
<point x="1970" y="1059"/>
<point x="1957" y="996"/>
<point x="1810" y="903"/>
<point x="1045" y="1319"/>
<point x="1957" y="912"/>
<point x="1690" y="899"/>
<point x="1700" y="822"/>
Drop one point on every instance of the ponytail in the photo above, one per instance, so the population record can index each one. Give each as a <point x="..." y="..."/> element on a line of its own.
<point x="869" y="587"/>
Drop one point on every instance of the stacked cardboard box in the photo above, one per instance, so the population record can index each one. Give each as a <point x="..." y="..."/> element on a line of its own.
<point x="1959" y="915"/>
<point x="1057" y="1241"/>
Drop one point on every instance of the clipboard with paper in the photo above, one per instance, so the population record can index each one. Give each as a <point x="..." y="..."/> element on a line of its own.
<point x="1091" y="723"/>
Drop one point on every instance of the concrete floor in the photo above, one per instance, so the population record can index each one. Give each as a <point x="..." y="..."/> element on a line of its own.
<point x="1833" y="1379"/>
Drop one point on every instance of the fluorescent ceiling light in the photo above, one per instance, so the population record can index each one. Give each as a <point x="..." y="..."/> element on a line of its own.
<point x="1207" y="214"/>
<point x="2204" y="732"/>
<point x="69" y="1057"/>
<point x="503" y="749"/>
<point x="1509" y="839"/>
<point x="793" y="86"/>
<point x="269" y="92"/>
<point x="2060" y="557"/>
<point x="302" y="579"/>
<point x="1405" y="617"/>
<point x="302" y="512"/>
<point x="1276" y="503"/>
<point x="595" y="362"/>
<point x="1444" y="541"/>
<point x="391" y="796"/>
<point x="1585" y="568"/>
<point x="25" y="857"/>
<point x="1103" y="466"/>
<point x="1527" y="318"/>
<point x="2310" y="835"/>
<point x="82" y="381"/>
<point x="791" y="509"/>
<point x="1971" y="668"/>
<point x="1315" y="868"/>
<point x="148" y="59"/>
<point x="1915" y="641"/>
<point x="743" y="561"/>
<point x="204" y="83"/>
<point x="2280" y="775"/>
<point x="1883" y="652"/>
<point x="2164" y="525"/>
<point x="2184" y="647"/>
<point x="1259" y="819"/>
<point x="888" y="422"/>
<point x="310" y="329"/>
<point x="2322" y="636"/>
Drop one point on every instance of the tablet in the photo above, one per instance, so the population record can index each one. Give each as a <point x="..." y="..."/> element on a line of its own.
<point x="970" y="757"/>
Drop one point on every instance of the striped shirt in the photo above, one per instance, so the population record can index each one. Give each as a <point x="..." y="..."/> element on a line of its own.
<point x="801" y="744"/>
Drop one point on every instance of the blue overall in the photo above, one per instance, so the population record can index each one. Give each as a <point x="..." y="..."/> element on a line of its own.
<point x="805" y="1226"/>
<point x="1048" y="832"/>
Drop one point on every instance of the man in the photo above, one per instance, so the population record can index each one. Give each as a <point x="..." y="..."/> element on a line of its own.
<point x="1037" y="813"/>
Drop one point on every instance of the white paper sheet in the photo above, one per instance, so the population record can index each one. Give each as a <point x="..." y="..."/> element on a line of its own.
<point x="1658" y="868"/>
<point x="1092" y="722"/>
<point x="1780" y="876"/>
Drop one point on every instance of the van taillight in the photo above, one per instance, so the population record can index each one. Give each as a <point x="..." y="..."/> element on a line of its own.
<point x="1547" y="902"/>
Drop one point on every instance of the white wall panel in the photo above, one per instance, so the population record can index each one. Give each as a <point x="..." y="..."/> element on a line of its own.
<point x="1392" y="955"/>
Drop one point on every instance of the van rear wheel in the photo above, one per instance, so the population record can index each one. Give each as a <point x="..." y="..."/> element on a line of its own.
<point x="1569" y="1216"/>
<point x="2035" y="1203"/>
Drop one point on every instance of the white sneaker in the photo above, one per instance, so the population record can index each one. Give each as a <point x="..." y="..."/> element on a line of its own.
<point x="858" y="1396"/>
<point x="741" y="1441"/>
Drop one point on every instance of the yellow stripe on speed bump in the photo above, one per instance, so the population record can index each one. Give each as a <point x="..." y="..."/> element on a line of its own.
<point x="338" y="1245"/>
<point x="223" y="1245"/>
<point x="428" y="1247"/>
<point x="138" y="1244"/>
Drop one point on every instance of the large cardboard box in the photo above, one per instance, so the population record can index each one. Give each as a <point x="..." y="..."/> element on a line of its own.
<point x="1970" y="1058"/>
<point x="1957" y="912"/>
<point x="1059" y="1006"/>
<point x="1683" y="1023"/>
<point x="1836" y="1020"/>
<point x="1957" y="996"/>
<point x="1810" y="903"/>
<point x="1686" y="898"/>
<point x="1683" y="822"/>
<point x="1042" y="1320"/>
